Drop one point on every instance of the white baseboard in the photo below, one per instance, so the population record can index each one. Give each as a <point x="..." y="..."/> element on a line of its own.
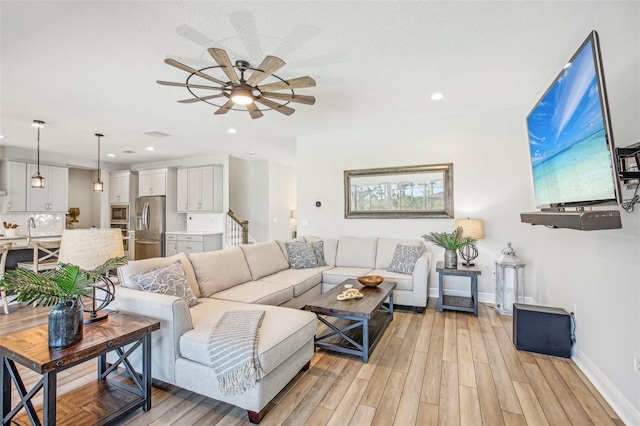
<point x="629" y="414"/>
<point x="482" y="297"/>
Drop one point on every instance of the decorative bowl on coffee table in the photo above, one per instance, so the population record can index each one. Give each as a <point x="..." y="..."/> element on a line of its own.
<point x="371" y="280"/>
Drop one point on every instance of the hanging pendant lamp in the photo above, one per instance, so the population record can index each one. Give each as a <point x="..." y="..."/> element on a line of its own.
<point x="37" y="181"/>
<point x="98" y="185"/>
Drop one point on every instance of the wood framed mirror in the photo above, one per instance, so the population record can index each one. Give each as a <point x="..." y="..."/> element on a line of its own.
<point x="424" y="191"/>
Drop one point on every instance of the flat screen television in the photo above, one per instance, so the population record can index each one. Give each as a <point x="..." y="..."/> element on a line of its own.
<point x="570" y="138"/>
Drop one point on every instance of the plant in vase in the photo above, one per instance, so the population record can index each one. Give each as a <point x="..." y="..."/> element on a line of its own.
<point x="450" y="242"/>
<point x="62" y="289"/>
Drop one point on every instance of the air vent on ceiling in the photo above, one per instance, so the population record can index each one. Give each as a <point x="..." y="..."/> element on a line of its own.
<point x="157" y="134"/>
<point x="128" y="152"/>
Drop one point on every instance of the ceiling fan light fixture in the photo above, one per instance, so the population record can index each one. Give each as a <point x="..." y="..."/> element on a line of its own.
<point x="242" y="96"/>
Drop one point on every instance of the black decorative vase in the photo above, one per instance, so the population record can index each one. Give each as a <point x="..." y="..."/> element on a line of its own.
<point x="65" y="324"/>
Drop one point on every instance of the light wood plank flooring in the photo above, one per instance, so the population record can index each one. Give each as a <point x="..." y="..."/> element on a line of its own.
<point x="429" y="369"/>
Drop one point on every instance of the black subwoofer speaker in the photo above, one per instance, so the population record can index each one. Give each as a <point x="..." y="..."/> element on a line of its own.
<point x="542" y="329"/>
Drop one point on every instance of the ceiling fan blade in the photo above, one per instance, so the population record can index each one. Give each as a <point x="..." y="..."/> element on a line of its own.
<point x="201" y="98"/>
<point x="301" y="99"/>
<point x="194" y="86"/>
<point x="269" y="65"/>
<point x="181" y="66"/>
<point x="254" y="111"/>
<point x="222" y="59"/>
<point x="294" y="83"/>
<point x="225" y="108"/>
<point x="247" y="31"/>
<point x="276" y="106"/>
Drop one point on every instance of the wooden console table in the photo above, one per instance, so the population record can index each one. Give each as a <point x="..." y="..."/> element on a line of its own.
<point x="113" y="399"/>
<point x="457" y="303"/>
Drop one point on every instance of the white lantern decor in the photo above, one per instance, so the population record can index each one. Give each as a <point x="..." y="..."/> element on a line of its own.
<point x="509" y="281"/>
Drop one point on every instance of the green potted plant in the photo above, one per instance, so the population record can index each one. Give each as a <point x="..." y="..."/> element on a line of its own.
<point x="61" y="288"/>
<point x="450" y="242"/>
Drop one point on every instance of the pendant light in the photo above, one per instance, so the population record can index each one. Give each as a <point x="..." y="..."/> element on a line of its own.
<point x="98" y="186"/>
<point x="37" y="181"/>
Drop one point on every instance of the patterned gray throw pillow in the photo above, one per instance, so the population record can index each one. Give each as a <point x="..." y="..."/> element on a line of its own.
<point x="301" y="255"/>
<point x="170" y="280"/>
<point x="405" y="258"/>
<point x="318" y="248"/>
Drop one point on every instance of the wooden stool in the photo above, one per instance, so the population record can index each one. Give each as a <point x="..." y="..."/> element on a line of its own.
<point x="4" y="250"/>
<point x="49" y="260"/>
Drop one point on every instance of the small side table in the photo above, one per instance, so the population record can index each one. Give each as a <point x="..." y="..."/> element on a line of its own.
<point x="458" y="303"/>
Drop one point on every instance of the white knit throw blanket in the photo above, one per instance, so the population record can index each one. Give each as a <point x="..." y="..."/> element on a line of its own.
<point x="233" y="347"/>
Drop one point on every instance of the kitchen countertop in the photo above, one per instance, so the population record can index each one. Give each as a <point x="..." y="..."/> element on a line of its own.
<point x="20" y="241"/>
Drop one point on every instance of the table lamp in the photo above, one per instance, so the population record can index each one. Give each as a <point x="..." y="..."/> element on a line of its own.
<point x="473" y="228"/>
<point x="88" y="249"/>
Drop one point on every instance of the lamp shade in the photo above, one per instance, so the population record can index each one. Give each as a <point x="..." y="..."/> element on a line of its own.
<point x="90" y="248"/>
<point x="473" y="228"/>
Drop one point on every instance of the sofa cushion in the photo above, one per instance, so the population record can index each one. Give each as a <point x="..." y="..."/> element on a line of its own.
<point x="358" y="252"/>
<point x="339" y="274"/>
<point x="387" y="247"/>
<point x="261" y="292"/>
<point x="329" y="247"/>
<point x="219" y="270"/>
<point x="264" y="258"/>
<point x="403" y="281"/>
<point x="137" y="266"/>
<point x="404" y="259"/>
<point x="169" y="280"/>
<point x="282" y="333"/>
<point x="302" y="255"/>
<point x="300" y="279"/>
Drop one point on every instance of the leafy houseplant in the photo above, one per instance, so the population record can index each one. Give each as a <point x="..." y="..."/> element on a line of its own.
<point x="61" y="288"/>
<point x="450" y="241"/>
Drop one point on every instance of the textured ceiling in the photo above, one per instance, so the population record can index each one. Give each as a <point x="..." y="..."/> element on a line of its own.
<point x="87" y="67"/>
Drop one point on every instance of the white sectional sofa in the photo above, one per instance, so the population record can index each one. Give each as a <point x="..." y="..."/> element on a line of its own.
<point x="249" y="277"/>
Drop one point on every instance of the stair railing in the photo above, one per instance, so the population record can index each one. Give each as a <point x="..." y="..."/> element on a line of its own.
<point x="237" y="230"/>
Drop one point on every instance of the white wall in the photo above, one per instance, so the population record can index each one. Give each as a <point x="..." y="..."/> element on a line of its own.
<point x="282" y="199"/>
<point x="249" y="195"/>
<point x="597" y="273"/>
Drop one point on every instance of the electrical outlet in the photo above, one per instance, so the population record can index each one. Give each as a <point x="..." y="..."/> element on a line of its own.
<point x="636" y="362"/>
<point x="493" y="275"/>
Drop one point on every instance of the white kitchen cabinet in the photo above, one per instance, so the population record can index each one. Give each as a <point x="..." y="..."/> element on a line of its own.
<point x="152" y="182"/>
<point x="55" y="194"/>
<point x="203" y="189"/>
<point x="192" y="242"/>
<point x="14" y="177"/>
<point x="182" y="196"/>
<point x="119" y="187"/>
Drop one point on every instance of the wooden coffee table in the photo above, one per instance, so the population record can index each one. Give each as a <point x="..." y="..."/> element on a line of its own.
<point x="360" y="322"/>
<point x="106" y="400"/>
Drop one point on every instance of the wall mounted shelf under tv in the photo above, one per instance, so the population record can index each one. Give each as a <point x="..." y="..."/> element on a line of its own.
<point x="582" y="220"/>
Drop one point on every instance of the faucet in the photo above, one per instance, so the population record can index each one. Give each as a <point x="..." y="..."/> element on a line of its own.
<point x="30" y="224"/>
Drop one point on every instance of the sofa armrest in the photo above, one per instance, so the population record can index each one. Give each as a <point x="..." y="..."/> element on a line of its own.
<point x="175" y="320"/>
<point x="421" y="279"/>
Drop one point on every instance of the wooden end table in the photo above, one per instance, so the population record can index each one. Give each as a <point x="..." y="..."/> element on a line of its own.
<point x="457" y="303"/>
<point x="361" y="322"/>
<point x="113" y="398"/>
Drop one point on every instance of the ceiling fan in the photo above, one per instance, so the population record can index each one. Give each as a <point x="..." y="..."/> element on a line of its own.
<point x="241" y="90"/>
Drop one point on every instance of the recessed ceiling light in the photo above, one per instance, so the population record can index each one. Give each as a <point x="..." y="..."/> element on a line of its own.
<point x="111" y="155"/>
<point x="232" y="130"/>
<point x="1" y="136"/>
<point x="252" y="153"/>
<point x="437" y="96"/>
<point x="150" y="148"/>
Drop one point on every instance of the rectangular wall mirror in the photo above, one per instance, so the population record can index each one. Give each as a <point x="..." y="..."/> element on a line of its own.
<point x="424" y="191"/>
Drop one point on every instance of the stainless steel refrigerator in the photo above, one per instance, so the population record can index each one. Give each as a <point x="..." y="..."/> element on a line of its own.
<point x="150" y="227"/>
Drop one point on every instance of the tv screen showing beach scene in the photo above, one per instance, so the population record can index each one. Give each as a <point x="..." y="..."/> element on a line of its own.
<point x="570" y="139"/>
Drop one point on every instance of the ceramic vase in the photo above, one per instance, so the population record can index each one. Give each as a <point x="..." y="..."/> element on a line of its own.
<point x="450" y="259"/>
<point x="65" y="324"/>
